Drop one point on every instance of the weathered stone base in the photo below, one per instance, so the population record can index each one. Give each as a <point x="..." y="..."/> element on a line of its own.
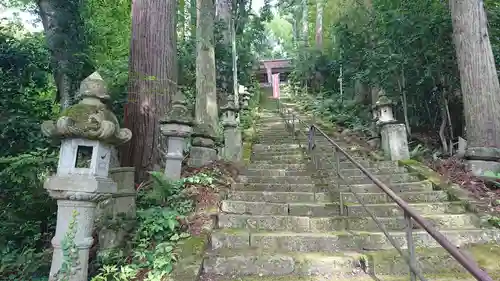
<point x="479" y="167"/>
<point x="394" y="141"/>
<point x="200" y="156"/>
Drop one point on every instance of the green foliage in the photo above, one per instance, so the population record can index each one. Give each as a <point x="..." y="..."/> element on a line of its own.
<point x="403" y="47"/>
<point x="27" y="215"/>
<point x="162" y="206"/>
<point x="70" y="251"/>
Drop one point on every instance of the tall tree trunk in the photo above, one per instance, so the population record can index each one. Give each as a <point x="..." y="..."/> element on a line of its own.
<point x="67" y="42"/>
<point x="223" y="15"/>
<point x="305" y="22"/>
<point x="192" y="18"/>
<point x="319" y="24"/>
<point x="478" y="78"/>
<point x="235" y="63"/>
<point x="206" y="111"/>
<point x="152" y="81"/>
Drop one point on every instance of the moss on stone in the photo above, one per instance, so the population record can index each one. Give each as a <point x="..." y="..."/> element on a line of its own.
<point x="192" y="246"/>
<point x="80" y="114"/>
<point x="486" y="255"/>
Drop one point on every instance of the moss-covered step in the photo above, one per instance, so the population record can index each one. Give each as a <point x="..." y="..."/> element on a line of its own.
<point x="258" y="262"/>
<point x="278" y="180"/>
<point x="375" y="171"/>
<point x="275" y="173"/>
<point x="278" y="157"/>
<point x="294" y="209"/>
<point x="381" y="197"/>
<point x="387" y="178"/>
<point x="420" y="186"/>
<point x="341" y="241"/>
<point x="276" y="147"/>
<point x="278" y="161"/>
<point x="276" y="197"/>
<point x="339" y="223"/>
<point x="190" y="255"/>
<point x="437" y="261"/>
<point x="364" y="163"/>
<point x="267" y="166"/>
<point x="278" y="187"/>
<point x="279" y="153"/>
<point x="348" y="277"/>
<point x="392" y="209"/>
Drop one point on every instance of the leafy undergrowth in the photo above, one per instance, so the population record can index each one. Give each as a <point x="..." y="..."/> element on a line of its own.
<point x="168" y="211"/>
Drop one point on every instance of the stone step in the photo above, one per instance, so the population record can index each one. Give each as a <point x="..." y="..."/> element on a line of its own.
<point x="381" y="197"/>
<point x="391" y="209"/>
<point x="294" y="151"/>
<point x="278" y="197"/>
<point x="280" y="180"/>
<point x="266" y="208"/>
<point x="339" y="223"/>
<point x="258" y="262"/>
<point x="357" y="172"/>
<point x="277" y="187"/>
<point x="342" y="241"/>
<point x="373" y="188"/>
<point x="389" y="261"/>
<point x="274" y="157"/>
<point x="275" y="173"/>
<point x="268" y="166"/>
<point x="276" y="147"/>
<point x="342" y="276"/>
<point x="365" y="163"/>
<point x="387" y="179"/>
<point x="280" y="161"/>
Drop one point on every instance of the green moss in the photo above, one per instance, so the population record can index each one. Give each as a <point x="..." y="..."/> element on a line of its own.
<point x="193" y="246"/>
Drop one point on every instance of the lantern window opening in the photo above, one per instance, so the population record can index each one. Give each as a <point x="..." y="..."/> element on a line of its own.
<point x="83" y="156"/>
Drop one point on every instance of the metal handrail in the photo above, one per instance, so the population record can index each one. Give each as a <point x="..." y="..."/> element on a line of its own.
<point x="409" y="212"/>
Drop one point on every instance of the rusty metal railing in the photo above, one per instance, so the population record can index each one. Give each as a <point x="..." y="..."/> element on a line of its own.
<point x="410" y="215"/>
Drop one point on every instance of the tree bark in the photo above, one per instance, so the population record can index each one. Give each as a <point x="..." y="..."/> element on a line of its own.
<point x="67" y="42"/>
<point x="206" y="111"/>
<point x="478" y="76"/>
<point x="305" y="22"/>
<point x="152" y="81"/>
<point x="319" y="24"/>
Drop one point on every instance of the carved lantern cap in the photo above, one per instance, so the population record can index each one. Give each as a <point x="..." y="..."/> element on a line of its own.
<point x="90" y="118"/>
<point x="180" y="113"/>
<point x="383" y="101"/>
<point x="229" y="106"/>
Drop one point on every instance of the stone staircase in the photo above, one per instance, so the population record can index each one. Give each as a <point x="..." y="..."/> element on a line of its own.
<point x="282" y="223"/>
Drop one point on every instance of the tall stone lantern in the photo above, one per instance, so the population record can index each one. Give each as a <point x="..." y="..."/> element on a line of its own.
<point x="393" y="133"/>
<point x="88" y="130"/>
<point x="245" y="97"/>
<point x="177" y="127"/>
<point x="232" y="134"/>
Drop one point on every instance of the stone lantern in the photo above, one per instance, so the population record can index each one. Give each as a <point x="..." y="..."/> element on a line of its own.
<point x="393" y="134"/>
<point x="88" y="130"/>
<point x="383" y="110"/>
<point x="232" y="135"/>
<point x="177" y="127"/>
<point x="245" y="97"/>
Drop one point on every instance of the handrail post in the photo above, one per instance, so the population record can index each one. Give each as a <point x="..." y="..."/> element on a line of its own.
<point x="411" y="246"/>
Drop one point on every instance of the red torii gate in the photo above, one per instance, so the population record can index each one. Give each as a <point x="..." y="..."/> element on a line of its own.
<point x="274" y="66"/>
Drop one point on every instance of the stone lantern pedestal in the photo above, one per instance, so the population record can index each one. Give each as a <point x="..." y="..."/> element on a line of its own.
<point x="394" y="140"/>
<point x="232" y="133"/>
<point x="202" y="146"/>
<point x="177" y="127"/>
<point x="87" y="130"/>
